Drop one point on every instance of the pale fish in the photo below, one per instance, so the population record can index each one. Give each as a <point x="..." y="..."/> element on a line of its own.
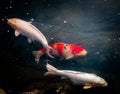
<point x="30" y="31"/>
<point x="89" y="80"/>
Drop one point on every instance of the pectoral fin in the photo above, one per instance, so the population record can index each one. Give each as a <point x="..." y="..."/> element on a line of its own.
<point x="17" y="33"/>
<point x="63" y="77"/>
<point x="69" y="57"/>
<point x="87" y="86"/>
<point x="37" y="55"/>
<point x="49" y="73"/>
<point x="29" y="40"/>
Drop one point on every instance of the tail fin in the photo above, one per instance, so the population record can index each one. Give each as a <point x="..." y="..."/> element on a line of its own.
<point x="37" y="55"/>
<point x="48" y="51"/>
<point x="51" y="70"/>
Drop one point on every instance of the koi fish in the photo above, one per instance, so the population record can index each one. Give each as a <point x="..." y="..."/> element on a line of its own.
<point x="30" y="31"/>
<point x="62" y="50"/>
<point x="88" y="80"/>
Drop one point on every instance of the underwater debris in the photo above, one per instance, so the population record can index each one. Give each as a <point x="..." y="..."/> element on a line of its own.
<point x="35" y="91"/>
<point x="2" y="91"/>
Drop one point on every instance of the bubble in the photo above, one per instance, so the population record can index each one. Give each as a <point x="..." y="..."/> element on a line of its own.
<point x="26" y="3"/>
<point x="118" y="13"/>
<point x="32" y="19"/>
<point x="18" y="77"/>
<point x="8" y="31"/>
<point x="3" y="19"/>
<point x="105" y="0"/>
<point x="6" y="7"/>
<point x="93" y="6"/>
<point x="50" y="26"/>
<point x="27" y="13"/>
<point x="51" y="38"/>
<point x="11" y="2"/>
<point x="116" y="52"/>
<point x="65" y="21"/>
<point x="10" y="6"/>
<point x="49" y="5"/>
<point x="98" y="52"/>
<point x="109" y="39"/>
<point x="115" y="57"/>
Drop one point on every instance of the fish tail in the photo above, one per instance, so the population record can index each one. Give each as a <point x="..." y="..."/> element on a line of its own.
<point x="51" y="70"/>
<point x="48" y="52"/>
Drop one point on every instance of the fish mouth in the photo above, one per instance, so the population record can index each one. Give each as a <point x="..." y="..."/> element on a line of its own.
<point x="105" y="84"/>
<point x="8" y="21"/>
<point x="11" y="22"/>
<point x="82" y="53"/>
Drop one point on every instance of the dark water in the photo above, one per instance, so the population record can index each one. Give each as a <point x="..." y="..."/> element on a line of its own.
<point x="93" y="24"/>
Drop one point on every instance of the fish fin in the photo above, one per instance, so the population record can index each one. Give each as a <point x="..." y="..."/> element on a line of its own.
<point x="51" y="70"/>
<point x="68" y="57"/>
<point x="29" y="40"/>
<point x="87" y="86"/>
<point x="37" y="55"/>
<point x="49" y="73"/>
<point x="63" y="77"/>
<point x="48" y="52"/>
<point x="17" y="33"/>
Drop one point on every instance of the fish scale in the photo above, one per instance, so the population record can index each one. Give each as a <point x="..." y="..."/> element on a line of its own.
<point x="60" y="48"/>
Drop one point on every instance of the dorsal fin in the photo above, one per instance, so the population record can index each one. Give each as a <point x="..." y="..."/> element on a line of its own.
<point x="75" y="72"/>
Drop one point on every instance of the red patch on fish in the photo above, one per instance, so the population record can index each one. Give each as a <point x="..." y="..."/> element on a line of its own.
<point x="43" y="50"/>
<point x="76" y="49"/>
<point x="59" y="47"/>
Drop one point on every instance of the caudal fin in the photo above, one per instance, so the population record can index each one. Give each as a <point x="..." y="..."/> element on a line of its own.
<point x="51" y="70"/>
<point x="48" y="52"/>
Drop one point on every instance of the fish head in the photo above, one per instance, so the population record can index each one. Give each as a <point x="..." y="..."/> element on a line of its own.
<point x="12" y="22"/>
<point x="101" y="82"/>
<point x="15" y="22"/>
<point x="78" y="50"/>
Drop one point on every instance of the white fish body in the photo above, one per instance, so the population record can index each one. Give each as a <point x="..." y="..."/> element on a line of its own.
<point x="30" y="31"/>
<point x="87" y="79"/>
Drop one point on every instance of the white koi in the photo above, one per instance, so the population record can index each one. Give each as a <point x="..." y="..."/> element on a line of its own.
<point x="89" y="80"/>
<point x="30" y="31"/>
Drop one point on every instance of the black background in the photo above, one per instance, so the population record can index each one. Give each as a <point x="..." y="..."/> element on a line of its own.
<point x="94" y="24"/>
